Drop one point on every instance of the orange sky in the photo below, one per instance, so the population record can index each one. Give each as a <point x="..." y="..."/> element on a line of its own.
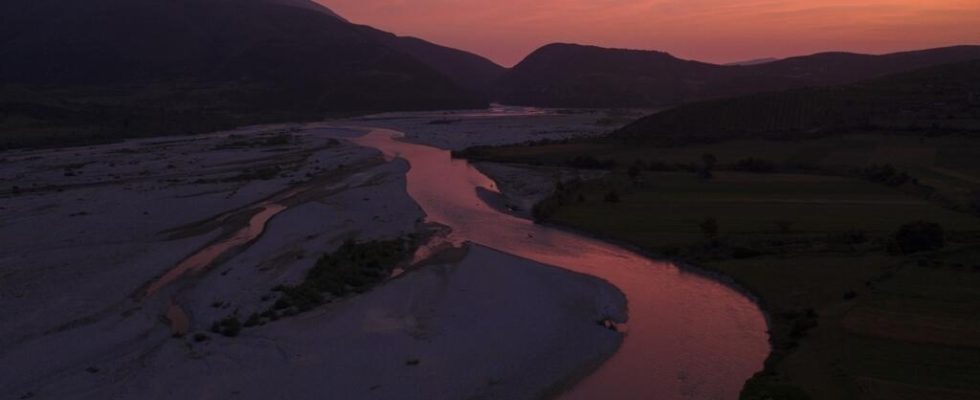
<point x="708" y="30"/>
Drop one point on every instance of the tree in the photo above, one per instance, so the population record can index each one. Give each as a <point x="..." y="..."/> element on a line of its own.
<point x="709" y="164"/>
<point x="919" y="236"/>
<point x="634" y="172"/>
<point x="709" y="227"/>
<point x="709" y="161"/>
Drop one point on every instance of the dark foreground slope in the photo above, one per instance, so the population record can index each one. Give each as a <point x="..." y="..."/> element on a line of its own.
<point x="566" y="75"/>
<point x="938" y="100"/>
<point x="112" y="67"/>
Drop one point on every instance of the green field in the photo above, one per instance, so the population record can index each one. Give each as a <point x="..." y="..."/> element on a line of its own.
<point x="950" y="164"/>
<point x="850" y="319"/>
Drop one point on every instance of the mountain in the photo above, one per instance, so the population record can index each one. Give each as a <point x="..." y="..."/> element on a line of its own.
<point x="191" y="65"/>
<point x="753" y="62"/>
<point x="932" y="100"/>
<point x="567" y="75"/>
<point x="466" y="69"/>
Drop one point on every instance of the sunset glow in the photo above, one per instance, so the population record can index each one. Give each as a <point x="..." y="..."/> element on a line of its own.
<point x="708" y="30"/>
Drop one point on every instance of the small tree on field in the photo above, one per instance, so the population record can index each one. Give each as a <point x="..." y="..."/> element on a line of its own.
<point x="710" y="161"/>
<point x="634" y="172"/>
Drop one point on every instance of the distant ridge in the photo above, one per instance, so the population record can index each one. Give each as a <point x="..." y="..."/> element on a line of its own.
<point x="935" y="99"/>
<point x="569" y="75"/>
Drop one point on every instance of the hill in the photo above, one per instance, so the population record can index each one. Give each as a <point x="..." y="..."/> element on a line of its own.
<point x="566" y="75"/>
<point x="114" y="67"/>
<point x="935" y="100"/>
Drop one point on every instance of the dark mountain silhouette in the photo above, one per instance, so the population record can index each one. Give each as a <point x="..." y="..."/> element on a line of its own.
<point x="201" y="64"/>
<point x="568" y="75"/>
<point x="466" y="69"/>
<point x="933" y="100"/>
<point x="565" y="75"/>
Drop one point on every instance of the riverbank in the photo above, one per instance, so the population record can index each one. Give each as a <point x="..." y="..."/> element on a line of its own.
<point x="813" y="250"/>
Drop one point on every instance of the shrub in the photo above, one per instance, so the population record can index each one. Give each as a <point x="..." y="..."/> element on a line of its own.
<point x="918" y="237"/>
<point x="611" y="197"/>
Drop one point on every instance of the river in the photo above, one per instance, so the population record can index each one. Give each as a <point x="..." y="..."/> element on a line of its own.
<point x="688" y="336"/>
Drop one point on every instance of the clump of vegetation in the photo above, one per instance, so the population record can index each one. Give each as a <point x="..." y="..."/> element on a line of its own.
<point x="354" y="267"/>
<point x="919" y="237"/>
<point x="885" y="174"/>
<point x="229" y="326"/>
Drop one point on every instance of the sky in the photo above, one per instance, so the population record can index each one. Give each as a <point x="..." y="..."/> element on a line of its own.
<point x="719" y="31"/>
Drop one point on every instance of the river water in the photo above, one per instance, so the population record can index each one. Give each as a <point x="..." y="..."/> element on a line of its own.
<point x="688" y="336"/>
